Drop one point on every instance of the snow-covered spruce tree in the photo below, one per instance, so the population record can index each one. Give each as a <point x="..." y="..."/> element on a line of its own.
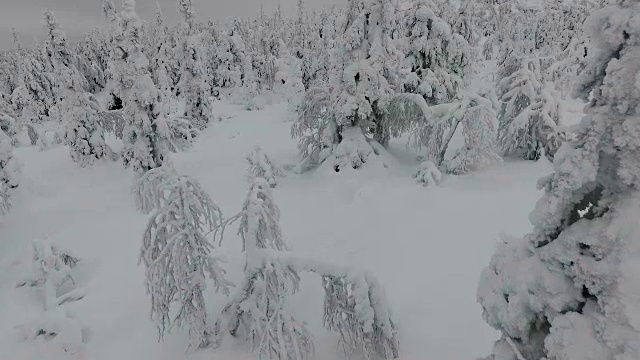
<point x="568" y="289"/>
<point x="10" y="169"/>
<point x="261" y="166"/>
<point x="357" y="93"/>
<point x="479" y="132"/>
<point x="131" y="83"/>
<point x="529" y="117"/>
<point x="79" y="110"/>
<point x="193" y="86"/>
<point x="355" y="305"/>
<point x="437" y="59"/>
<point x="176" y="253"/>
<point x="228" y="72"/>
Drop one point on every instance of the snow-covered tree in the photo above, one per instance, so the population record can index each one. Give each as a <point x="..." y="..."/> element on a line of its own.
<point x="358" y="89"/>
<point x="567" y="290"/>
<point x="479" y="129"/>
<point x="261" y="166"/>
<point x="131" y="83"/>
<point x="249" y="93"/>
<point x="228" y="72"/>
<point x="355" y="305"/>
<point x="10" y="169"/>
<point x="288" y="77"/>
<point x="437" y="58"/>
<point x="529" y="116"/>
<point x="176" y="253"/>
<point x="163" y="60"/>
<point x="193" y="87"/>
<point x="83" y="131"/>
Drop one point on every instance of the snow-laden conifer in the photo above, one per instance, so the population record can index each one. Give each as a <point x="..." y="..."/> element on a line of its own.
<point x="177" y="255"/>
<point x="565" y="291"/>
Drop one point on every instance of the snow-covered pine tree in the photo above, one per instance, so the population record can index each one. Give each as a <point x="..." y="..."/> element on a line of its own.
<point x="479" y="129"/>
<point x="193" y="87"/>
<point x="131" y="83"/>
<point x="176" y="253"/>
<point x="568" y="290"/>
<point x="355" y="305"/>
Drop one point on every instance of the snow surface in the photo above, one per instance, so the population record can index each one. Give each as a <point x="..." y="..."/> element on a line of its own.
<point x="427" y="246"/>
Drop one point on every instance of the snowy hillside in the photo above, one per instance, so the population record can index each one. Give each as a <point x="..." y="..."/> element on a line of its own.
<point x="426" y="245"/>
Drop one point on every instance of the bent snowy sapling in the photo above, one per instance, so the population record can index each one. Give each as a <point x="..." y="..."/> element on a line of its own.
<point x="355" y="304"/>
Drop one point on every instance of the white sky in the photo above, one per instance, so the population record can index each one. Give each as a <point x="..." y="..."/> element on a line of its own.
<point x="78" y="16"/>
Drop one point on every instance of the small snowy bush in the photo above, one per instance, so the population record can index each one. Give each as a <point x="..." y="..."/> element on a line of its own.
<point x="175" y="251"/>
<point x="52" y="273"/>
<point x="261" y="166"/>
<point x="428" y="174"/>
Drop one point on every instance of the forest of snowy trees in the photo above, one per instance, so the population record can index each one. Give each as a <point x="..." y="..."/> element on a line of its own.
<point x="355" y="78"/>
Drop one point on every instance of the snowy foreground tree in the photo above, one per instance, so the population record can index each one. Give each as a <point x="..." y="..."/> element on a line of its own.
<point x="175" y="252"/>
<point x="569" y="290"/>
<point x="355" y="304"/>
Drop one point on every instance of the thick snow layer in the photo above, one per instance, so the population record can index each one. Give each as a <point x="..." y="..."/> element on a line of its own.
<point x="427" y="246"/>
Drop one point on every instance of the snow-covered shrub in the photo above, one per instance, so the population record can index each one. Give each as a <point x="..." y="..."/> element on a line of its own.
<point x="428" y="174"/>
<point x="261" y="166"/>
<point x="479" y="132"/>
<point x="52" y="272"/>
<point x="10" y="169"/>
<point x="175" y="251"/>
<point x="355" y="305"/>
<point x="569" y="289"/>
